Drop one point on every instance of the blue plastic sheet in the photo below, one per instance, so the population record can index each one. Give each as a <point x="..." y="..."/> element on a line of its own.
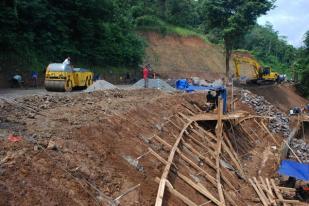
<point x="183" y="85"/>
<point x="294" y="169"/>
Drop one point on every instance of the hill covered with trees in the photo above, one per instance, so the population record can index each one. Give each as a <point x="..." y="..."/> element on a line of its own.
<point x="102" y="33"/>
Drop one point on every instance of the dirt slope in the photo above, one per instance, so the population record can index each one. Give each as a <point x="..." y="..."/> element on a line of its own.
<point x="180" y="56"/>
<point x="74" y="150"/>
<point x="176" y="56"/>
<point x="283" y="97"/>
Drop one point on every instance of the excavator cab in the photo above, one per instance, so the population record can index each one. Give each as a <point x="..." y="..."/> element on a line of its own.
<point x="262" y="75"/>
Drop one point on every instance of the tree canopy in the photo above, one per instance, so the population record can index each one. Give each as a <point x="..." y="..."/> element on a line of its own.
<point x="98" y="32"/>
<point x="302" y="66"/>
<point x="270" y="48"/>
<point x="233" y="18"/>
<point x="104" y="32"/>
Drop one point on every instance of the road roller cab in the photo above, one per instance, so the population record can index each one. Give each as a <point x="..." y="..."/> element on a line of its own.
<point x="64" y="78"/>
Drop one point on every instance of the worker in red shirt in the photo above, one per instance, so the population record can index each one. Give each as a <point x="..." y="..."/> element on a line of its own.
<point x="145" y="75"/>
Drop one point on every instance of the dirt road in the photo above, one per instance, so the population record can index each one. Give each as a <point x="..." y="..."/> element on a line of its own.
<point x="12" y="93"/>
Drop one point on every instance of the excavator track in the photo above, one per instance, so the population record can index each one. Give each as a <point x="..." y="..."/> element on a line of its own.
<point x="56" y="85"/>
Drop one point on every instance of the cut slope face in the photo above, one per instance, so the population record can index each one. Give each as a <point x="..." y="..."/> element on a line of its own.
<point x="284" y="97"/>
<point x="181" y="56"/>
<point x="177" y="57"/>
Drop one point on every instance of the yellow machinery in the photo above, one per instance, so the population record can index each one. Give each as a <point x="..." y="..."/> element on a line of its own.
<point x="64" y="78"/>
<point x="261" y="74"/>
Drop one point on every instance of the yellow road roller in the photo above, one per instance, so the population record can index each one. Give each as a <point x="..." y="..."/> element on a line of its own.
<point x="64" y="78"/>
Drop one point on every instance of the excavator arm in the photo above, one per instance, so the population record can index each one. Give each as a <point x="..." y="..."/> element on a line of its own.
<point x="238" y="60"/>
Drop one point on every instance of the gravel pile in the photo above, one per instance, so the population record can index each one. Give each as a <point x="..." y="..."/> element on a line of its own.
<point x="301" y="148"/>
<point x="100" y="85"/>
<point x="154" y="84"/>
<point x="279" y="123"/>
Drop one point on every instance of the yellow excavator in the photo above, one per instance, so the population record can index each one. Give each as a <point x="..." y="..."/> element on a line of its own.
<point x="261" y="75"/>
<point x="64" y="78"/>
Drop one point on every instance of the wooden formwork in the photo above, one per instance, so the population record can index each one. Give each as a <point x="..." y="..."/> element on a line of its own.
<point x="215" y="144"/>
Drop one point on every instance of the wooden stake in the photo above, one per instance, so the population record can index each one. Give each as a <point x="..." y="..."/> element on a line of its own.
<point x="258" y="192"/>
<point x="161" y="189"/>
<point x="277" y="192"/>
<point x="219" y="135"/>
<point x="171" y="189"/>
<point x="270" y="134"/>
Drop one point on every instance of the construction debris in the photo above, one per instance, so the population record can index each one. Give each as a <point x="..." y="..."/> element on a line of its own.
<point x="301" y="149"/>
<point x="91" y="148"/>
<point x="279" y="123"/>
<point x="269" y="193"/>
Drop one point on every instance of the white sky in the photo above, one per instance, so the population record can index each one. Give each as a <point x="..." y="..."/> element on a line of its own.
<point x="290" y="18"/>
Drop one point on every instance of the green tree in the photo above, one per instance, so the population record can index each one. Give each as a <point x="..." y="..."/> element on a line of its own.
<point x="233" y="18"/>
<point x="182" y="12"/>
<point x="266" y="44"/>
<point x="302" y="64"/>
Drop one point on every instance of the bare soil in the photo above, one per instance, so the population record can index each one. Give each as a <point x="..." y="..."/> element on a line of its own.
<point x="75" y="146"/>
<point x="284" y="96"/>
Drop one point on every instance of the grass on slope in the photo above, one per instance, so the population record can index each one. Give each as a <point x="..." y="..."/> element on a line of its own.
<point x="152" y="23"/>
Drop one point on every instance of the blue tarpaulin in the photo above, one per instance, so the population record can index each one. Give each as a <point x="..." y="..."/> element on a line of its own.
<point x="294" y="169"/>
<point x="183" y="85"/>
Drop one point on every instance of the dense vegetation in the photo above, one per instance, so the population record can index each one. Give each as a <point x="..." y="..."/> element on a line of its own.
<point x="270" y="48"/>
<point x="302" y="66"/>
<point x="102" y="33"/>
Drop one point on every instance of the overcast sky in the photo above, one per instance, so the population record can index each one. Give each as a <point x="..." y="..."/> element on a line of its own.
<point x="290" y="18"/>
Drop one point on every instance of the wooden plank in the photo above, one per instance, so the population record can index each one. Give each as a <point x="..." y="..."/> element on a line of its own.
<point x="261" y="190"/>
<point x="287" y="189"/>
<point x="171" y="189"/>
<point x="210" y="151"/>
<point x="269" y="194"/>
<point x="292" y="152"/>
<point x="289" y="201"/>
<point x="277" y="192"/>
<point x="174" y="124"/>
<point x="161" y="188"/>
<point x="251" y="139"/>
<point x="200" y="188"/>
<point x="210" y="178"/>
<point x="219" y="134"/>
<point x="270" y="134"/>
<point x="212" y="145"/>
<point x="185" y="106"/>
<point x="202" y="157"/>
<point x="236" y="163"/>
<point x="213" y="116"/>
<point x="258" y="192"/>
<point x="269" y="186"/>
<point x="198" y="108"/>
<point x="207" y="176"/>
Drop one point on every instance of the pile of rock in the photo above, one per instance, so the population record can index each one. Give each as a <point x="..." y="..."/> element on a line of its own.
<point x="99" y="86"/>
<point x="301" y="149"/>
<point x="279" y="123"/>
<point x="154" y="84"/>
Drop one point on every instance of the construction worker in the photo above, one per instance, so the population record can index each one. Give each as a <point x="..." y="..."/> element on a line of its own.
<point x="34" y="77"/>
<point x="67" y="61"/>
<point x="145" y="75"/>
<point x="211" y="99"/>
<point x="306" y="109"/>
<point x="17" y="81"/>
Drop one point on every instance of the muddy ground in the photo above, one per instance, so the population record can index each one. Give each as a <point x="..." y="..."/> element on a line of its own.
<point x="75" y="148"/>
